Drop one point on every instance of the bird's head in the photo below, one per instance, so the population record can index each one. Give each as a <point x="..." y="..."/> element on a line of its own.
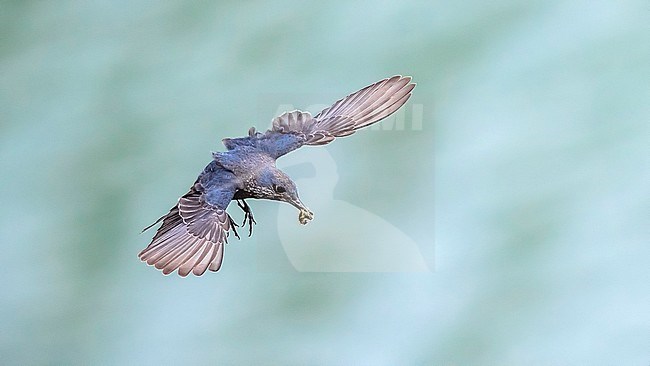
<point x="273" y="184"/>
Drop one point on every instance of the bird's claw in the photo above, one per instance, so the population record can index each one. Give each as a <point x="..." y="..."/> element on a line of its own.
<point x="234" y="227"/>
<point x="248" y="216"/>
<point x="305" y="216"/>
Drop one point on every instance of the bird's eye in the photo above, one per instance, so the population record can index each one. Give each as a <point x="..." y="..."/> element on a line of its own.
<point x="279" y="189"/>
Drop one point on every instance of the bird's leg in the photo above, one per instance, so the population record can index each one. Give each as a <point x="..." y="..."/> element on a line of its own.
<point x="248" y="215"/>
<point x="234" y="227"/>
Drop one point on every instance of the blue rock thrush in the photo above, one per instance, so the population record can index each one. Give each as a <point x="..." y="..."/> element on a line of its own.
<point x="193" y="233"/>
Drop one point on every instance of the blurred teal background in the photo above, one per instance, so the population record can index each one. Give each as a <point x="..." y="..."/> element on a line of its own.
<point x="526" y="189"/>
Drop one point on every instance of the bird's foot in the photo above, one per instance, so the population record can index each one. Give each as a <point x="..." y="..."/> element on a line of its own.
<point x="233" y="226"/>
<point x="305" y="216"/>
<point x="248" y="215"/>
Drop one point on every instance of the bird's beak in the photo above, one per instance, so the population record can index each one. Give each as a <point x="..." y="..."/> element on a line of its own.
<point x="305" y="214"/>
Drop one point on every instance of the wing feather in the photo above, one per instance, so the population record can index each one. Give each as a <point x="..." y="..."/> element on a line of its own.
<point x="191" y="237"/>
<point x="216" y="263"/>
<point x="358" y="110"/>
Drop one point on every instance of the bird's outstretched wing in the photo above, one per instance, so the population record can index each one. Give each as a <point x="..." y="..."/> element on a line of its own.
<point x="192" y="235"/>
<point x="360" y="109"/>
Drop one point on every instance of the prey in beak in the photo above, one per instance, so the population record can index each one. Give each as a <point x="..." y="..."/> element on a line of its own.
<point x="305" y="215"/>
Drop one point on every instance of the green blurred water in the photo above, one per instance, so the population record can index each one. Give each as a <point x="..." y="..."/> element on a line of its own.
<point x="526" y="189"/>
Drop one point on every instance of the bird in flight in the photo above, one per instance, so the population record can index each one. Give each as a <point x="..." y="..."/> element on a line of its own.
<point x="192" y="235"/>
